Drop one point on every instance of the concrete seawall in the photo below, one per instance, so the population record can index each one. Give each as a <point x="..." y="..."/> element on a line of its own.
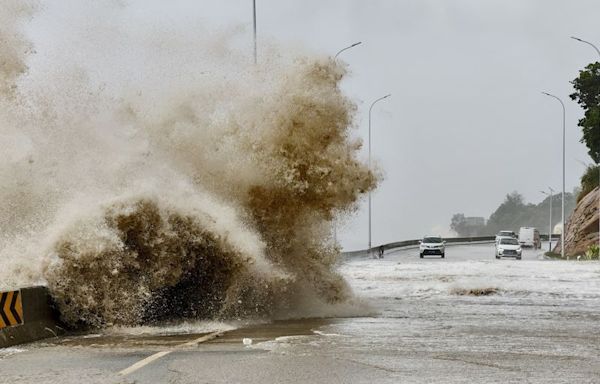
<point x="27" y="315"/>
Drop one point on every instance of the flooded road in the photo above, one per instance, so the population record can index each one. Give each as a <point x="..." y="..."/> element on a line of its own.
<point x="472" y="318"/>
<point x="465" y="319"/>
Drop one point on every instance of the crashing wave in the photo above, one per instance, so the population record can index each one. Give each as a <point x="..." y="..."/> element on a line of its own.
<point x="140" y="193"/>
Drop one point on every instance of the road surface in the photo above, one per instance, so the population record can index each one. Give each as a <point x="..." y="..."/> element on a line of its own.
<point x="466" y="319"/>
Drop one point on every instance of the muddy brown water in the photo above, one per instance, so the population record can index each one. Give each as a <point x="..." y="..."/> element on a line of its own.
<point x="257" y="332"/>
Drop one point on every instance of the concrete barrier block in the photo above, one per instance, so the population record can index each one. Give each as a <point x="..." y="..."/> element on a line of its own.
<point x="27" y="315"/>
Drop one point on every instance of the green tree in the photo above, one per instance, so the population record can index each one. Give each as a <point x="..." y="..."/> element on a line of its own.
<point x="465" y="227"/>
<point x="514" y="213"/>
<point x="587" y="94"/>
<point x="509" y="215"/>
<point x="458" y="224"/>
<point x="589" y="181"/>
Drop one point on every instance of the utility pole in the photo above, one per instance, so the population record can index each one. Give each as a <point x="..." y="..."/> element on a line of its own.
<point x="551" y="194"/>
<point x="334" y="58"/>
<point x="370" y="109"/>
<point x="254" y="25"/>
<point x="564" y="227"/>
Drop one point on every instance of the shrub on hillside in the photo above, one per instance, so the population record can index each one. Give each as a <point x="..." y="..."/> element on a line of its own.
<point x="589" y="181"/>
<point x="592" y="252"/>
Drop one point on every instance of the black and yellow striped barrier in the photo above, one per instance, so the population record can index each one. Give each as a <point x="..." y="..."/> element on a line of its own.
<point x="11" y="309"/>
<point x="27" y="314"/>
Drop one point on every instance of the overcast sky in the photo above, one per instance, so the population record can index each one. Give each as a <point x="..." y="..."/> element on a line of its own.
<point x="466" y="123"/>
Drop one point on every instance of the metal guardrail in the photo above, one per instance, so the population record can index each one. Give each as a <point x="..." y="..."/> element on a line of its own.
<point x="410" y="243"/>
<point x="554" y="237"/>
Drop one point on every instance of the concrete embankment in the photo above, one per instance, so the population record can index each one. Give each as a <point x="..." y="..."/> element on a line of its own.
<point x="27" y="315"/>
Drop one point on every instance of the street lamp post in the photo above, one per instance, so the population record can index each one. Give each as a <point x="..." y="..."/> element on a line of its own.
<point x="564" y="228"/>
<point x="335" y="58"/>
<point x="370" y="109"/>
<point x="348" y="47"/>
<point x="586" y="42"/>
<point x="551" y="194"/>
<point x="254" y="26"/>
<point x="598" y="164"/>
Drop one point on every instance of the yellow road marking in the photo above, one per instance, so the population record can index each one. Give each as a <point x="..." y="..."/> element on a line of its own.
<point x="156" y="356"/>
<point x="143" y="363"/>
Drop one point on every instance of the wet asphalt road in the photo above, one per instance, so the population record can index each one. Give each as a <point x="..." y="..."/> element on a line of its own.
<point x="466" y="319"/>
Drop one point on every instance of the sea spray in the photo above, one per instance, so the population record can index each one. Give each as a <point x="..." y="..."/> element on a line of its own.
<point x="15" y="46"/>
<point x="141" y="193"/>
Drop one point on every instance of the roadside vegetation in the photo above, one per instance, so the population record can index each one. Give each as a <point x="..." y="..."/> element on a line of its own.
<point x="587" y="95"/>
<point x="592" y="253"/>
<point x="589" y="181"/>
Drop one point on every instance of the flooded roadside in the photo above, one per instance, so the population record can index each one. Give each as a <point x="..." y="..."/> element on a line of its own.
<point x="537" y="322"/>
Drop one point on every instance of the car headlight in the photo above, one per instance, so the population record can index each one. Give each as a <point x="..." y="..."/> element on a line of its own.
<point x="500" y="250"/>
<point x="519" y="250"/>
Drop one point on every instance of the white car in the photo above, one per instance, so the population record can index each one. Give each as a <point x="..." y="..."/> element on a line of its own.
<point x="498" y="238"/>
<point x="432" y="245"/>
<point x="505" y="234"/>
<point x="508" y="247"/>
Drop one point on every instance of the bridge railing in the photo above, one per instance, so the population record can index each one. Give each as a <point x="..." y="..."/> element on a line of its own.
<point x="414" y="243"/>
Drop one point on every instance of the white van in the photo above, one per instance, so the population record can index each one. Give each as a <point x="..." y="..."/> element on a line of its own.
<point x="530" y="237"/>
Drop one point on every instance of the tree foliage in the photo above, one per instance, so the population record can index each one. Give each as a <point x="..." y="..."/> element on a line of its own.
<point x="514" y="213"/>
<point x="509" y="215"/>
<point x="457" y="223"/>
<point x="587" y="94"/>
<point x="589" y="181"/>
<point x="465" y="227"/>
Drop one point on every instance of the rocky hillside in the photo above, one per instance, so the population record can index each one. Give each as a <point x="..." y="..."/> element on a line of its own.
<point x="582" y="227"/>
